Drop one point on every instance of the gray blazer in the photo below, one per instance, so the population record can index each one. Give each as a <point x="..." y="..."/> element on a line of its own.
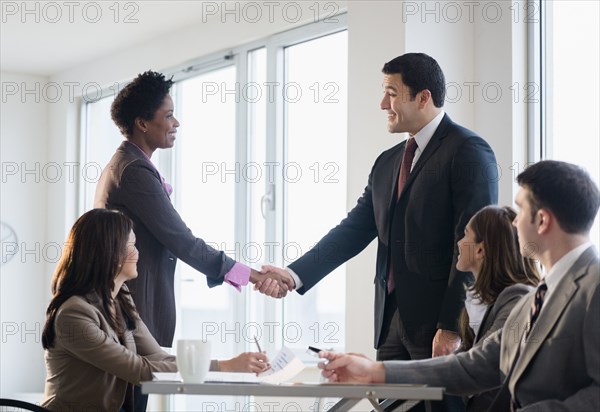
<point x="559" y="366"/>
<point x="131" y="184"/>
<point x="494" y="318"/>
<point x="88" y="368"/>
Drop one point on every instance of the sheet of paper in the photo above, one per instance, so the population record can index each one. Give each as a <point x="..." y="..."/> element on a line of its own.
<point x="167" y="376"/>
<point x="284" y="366"/>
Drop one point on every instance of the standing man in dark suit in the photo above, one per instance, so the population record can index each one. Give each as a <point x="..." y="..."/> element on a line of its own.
<point x="547" y="356"/>
<point x="420" y="195"/>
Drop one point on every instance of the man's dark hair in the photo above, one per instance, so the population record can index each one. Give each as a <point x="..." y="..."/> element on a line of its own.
<point x="564" y="189"/>
<point x="140" y="98"/>
<point x="419" y="72"/>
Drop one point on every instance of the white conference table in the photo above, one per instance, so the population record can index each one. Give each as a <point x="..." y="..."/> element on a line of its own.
<point x="350" y="394"/>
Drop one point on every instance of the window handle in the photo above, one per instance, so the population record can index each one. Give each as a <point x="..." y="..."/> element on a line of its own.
<point x="267" y="202"/>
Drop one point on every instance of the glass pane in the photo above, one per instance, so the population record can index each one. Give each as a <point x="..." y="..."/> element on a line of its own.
<point x="103" y="138"/>
<point x="315" y="96"/>
<point x="574" y="116"/>
<point x="256" y="178"/>
<point x="205" y="196"/>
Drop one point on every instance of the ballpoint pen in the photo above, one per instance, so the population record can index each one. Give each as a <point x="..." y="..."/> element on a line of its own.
<point x="257" y="345"/>
<point x="315" y="350"/>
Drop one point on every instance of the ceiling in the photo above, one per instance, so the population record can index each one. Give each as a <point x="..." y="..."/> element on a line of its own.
<point x="45" y="38"/>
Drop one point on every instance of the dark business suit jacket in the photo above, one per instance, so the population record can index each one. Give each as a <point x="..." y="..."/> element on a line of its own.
<point x="454" y="177"/>
<point x="131" y="184"/>
<point x="558" y="368"/>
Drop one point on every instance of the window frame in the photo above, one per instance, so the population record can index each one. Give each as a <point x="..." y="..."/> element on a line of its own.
<point x="275" y="125"/>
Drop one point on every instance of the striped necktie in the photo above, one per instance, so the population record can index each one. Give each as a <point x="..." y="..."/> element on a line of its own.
<point x="534" y="313"/>
<point x="536" y="306"/>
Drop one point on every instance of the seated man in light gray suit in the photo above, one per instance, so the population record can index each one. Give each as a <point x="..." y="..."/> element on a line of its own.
<point x="547" y="356"/>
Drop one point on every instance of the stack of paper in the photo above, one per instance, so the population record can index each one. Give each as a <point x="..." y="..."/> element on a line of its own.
<point x="284" y="367"/>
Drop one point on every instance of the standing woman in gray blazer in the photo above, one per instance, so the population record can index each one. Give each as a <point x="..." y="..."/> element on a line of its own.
<point x="490" y="250"/>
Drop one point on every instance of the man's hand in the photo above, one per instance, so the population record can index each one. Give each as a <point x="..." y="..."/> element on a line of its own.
<point x="272" y="281"/>
<point x="445" y="342"/>
<point x="254" y="362"/>
<point x="351" y="368"/>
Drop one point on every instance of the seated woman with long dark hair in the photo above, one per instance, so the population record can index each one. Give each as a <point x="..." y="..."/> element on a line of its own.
<point x="96" y="345"/>
<point x="490" y="250"/>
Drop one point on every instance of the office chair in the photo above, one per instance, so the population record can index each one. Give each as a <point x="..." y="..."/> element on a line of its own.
<point x="26" y="406"/>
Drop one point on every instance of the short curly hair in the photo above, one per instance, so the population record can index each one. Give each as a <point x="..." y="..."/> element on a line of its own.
<point x="140" y="98"/>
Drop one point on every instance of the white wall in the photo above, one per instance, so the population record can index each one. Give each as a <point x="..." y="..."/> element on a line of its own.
<point x="475" y="47"/>
<point x="500" y="66"/>
<point x="378" y="31"/>
<point x="374" y="37"/>
<point x="26" y="178"/>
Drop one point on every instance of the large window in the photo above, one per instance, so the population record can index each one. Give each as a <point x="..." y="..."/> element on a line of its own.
<point x="570" y="57"/>
<point x="315" y="179"/>
<point x="259" y="171"/>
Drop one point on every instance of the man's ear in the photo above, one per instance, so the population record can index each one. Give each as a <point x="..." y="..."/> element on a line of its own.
<point x="544" y="221"/>
<point x="424" y="97"/>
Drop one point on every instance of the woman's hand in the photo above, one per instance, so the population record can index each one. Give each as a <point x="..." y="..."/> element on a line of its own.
<point x="254" y="362"/>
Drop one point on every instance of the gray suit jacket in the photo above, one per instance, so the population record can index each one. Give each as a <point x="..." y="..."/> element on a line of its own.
<point x="88" y="367"/>
<point x="493" y="320"/>
<point x="559" y="366"/>
<point x="131" y="184"/>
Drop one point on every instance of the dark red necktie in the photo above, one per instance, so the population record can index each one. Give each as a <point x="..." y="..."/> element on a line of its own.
<point x="407" y="161"/>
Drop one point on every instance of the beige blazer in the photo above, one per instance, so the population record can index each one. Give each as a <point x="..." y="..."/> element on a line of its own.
<point x="88" y="368"/>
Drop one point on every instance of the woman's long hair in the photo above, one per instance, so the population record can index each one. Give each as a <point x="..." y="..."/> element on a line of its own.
<point x="503" y="264"/>
<point x="92" y="256"/>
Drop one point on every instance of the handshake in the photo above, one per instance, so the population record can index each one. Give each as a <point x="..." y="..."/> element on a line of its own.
<point x="272" y="281"/>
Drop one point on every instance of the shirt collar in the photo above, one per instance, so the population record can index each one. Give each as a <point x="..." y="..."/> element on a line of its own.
<point x="560" y="268"/>
<point x="423" y="136"/>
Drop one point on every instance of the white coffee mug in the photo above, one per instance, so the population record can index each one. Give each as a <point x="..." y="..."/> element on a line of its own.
<point x="193" y="360"/>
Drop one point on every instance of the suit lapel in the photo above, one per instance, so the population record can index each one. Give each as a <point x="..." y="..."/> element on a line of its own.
<point x="396" y="174"/>
<point x="432" y="146"/>
<point x="551" y="312"/>
<point x="483" y="325"/>
<point x="522" y="308"/>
